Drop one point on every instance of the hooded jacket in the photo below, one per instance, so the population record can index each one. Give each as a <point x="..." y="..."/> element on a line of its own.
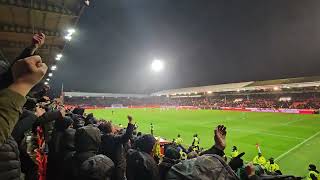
<point x="206" y="167"/>
<point x="141" y="166"/>
<point x="87" y="142"/>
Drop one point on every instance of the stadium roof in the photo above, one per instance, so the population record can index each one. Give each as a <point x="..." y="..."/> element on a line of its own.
<point x="251" y="85"/>
<point x="19" y="20"/>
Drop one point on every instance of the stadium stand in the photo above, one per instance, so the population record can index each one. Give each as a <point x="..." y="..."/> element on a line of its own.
<point x="43" y="138"/>
<point x="296" y="93"/>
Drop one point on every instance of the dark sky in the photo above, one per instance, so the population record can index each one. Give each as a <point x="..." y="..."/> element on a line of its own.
<point x="202" y="42"/>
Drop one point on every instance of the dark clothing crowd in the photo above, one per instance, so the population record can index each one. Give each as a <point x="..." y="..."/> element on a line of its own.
<point x="40" y="139"/>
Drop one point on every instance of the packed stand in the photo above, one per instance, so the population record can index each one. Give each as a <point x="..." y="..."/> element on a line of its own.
<point x="275" y="101"/>
<point x="40" y="139"/>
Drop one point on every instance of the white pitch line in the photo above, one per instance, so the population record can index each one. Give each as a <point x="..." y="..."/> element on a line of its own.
<point x="270" y="134"/>
<point x="296" y="146"/>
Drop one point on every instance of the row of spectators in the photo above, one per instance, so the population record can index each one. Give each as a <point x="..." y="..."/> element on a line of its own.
<point x="40" y="139"/>
<point x="291" y="101"/>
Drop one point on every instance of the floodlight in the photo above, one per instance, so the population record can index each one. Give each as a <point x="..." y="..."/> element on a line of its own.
<point x="48" y="79"/>
<point x="157" y="65"/>
<point x="68" y="37"/>
<point x="54" y="67"/>
<point x="50" y="74"/>
<point x="46" y="83"/>
<point x="71" y="31"/>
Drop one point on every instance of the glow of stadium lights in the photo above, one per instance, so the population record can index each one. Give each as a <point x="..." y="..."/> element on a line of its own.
<point x="195" y="92"/>
<point x="238" y="90"/>
<point x="48" y="79"/>
<point x="276" y="88"/>
<point x="209" y="92"/>
<point x="157" y="65"/>
<point x="58" y="57"/>
<point x="68" y="37"/>
<point x="71" y="31"/>
<point x="50" y="74"/>
<point x="46" y="83"/>
<point x="54" y="67"/>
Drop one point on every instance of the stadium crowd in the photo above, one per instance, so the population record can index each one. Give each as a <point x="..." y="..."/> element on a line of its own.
<point x="40" y="139"/>
<point x="290" y="101"/>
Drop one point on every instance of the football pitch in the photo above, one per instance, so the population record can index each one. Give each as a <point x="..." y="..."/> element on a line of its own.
<point x="292" y="139"/>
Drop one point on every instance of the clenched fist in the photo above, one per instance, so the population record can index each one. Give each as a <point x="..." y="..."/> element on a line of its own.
<point x="27" y="73"/>
<point x="38" y="40"/>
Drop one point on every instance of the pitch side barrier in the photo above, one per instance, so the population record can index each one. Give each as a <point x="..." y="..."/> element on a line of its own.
<point x="281" y="110"/>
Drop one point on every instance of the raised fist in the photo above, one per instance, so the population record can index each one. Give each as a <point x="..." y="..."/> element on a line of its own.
<point x="220" y="133"/>
<point x="29" y="70"/>
<point x="26" y="73"/>
<point x="38" y="40"/>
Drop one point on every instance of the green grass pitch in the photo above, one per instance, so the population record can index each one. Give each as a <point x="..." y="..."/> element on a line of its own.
<point x="293" y="139"/>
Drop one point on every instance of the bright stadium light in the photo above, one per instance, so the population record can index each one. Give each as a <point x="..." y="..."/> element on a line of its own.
<point x="50" y="74"/>
<point x="71" y="31"/>
<point x="58" y="57"/>
<point x="48" y="79"/>
<point x="68" y="37"/>
<point x="209" y="92"/>
<point x="276" y="88"/>
<point x="46" y="83"/>
<point x="54" y="67"/>
<point x="157" y="65"/>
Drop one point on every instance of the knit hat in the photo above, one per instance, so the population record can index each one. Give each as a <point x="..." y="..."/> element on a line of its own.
<point x="172" y="153"/>
<point x="98" y="167"/>
<point x="145" y="143"/>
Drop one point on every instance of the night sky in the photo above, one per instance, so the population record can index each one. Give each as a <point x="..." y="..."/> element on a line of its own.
<point x="202" y="42"/>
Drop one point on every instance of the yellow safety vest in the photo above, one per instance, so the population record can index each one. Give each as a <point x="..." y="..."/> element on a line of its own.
<point x="179" y="141"/>
<point x="272" y="167"/>
<point x="234" y="153"/>
<point x="259" y="160"/>
<point x="183" y="155"/>
<point x="196" y="141"/>
<point x="314" y="173"/>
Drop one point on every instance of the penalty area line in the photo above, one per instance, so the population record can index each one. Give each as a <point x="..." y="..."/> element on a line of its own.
<point x="296" y="146"/>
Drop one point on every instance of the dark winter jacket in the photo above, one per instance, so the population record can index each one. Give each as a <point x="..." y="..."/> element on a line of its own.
<point x="98" y="167"/>
<point x="87" y="142"/>
<point x="141" y="166"/>
<point x="206" y="167"/>
<point x="165" y="166"/>
<point x="10" y="108"/>
<point x="112" y="146"/>
<point x="10" y="168"/>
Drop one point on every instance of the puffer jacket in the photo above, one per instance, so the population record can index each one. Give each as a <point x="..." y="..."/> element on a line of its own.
<point x="10" y="167"/>
<point x="206" y="167"/>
